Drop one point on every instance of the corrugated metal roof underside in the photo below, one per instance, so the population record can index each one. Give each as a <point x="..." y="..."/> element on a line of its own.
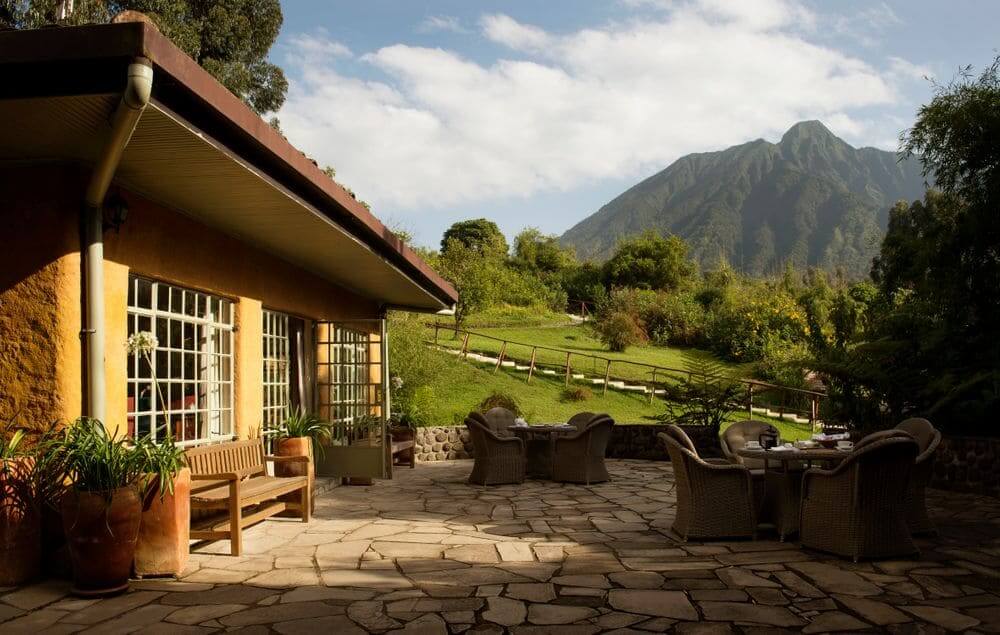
<point x="171" y="162"/>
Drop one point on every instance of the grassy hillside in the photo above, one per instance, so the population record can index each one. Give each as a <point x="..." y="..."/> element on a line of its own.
<point x="578" y="339"/>
<point x="462" y="385"/>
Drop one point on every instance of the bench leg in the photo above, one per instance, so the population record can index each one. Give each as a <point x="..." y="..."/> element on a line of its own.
<point x="235" y="521"/>
<point x="306" y="502"/>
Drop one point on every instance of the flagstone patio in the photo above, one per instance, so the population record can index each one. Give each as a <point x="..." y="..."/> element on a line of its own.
<point x="428" y="553"/>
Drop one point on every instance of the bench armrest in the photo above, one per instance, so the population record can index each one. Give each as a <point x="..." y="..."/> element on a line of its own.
<point x="222" y="476"/>
<point x="286" y="459"/>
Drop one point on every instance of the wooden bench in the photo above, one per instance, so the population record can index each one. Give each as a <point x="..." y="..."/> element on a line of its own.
<point x="231" y="476"/>
<point x="402" y="446"/>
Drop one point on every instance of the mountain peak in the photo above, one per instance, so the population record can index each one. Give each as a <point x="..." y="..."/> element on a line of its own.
<point x="812" y="129"/>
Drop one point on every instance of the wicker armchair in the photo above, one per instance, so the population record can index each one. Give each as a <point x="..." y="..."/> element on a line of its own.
<point x="498" y="460"/>
<point x="928" y="438"/>
<point x="581" y="419"/>
<point x="858" y="509"/>
<point x="713" y="500"/>
<point x="579" y="457"/>
<point x="498" y="420"/>
<point x="735" y="438"/>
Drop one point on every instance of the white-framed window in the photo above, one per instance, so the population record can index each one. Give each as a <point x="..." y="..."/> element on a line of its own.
<point x="348" y="380"/>
<point x="190" y="384"/>
<point x="277" y="369"/>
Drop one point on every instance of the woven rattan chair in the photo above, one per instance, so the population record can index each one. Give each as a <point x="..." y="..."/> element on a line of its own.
<point x="858" y="509"/>
<point x="579" y="457"/>
<point x="928" y="438"/>
<point x="581" y="419"/>
<point x="498" y="420"/>
<point x="881" y="435"/>
<point x="498" y="460"/>
<point x="735" y="438"/>
<point x="713" y="500"/>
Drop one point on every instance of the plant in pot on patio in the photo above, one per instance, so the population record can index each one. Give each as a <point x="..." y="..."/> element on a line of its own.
<point x="101" y="511"/>
<point x="165" y="529"/>
<point x="20" y="513"/>
<point x="301" y="434"/>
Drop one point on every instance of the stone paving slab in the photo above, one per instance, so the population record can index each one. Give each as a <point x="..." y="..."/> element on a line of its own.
<point x="428" y="553"/>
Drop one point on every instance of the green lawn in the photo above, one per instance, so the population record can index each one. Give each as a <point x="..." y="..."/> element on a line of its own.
<point x="464" y="384"/>
<point x="579" y="340"/>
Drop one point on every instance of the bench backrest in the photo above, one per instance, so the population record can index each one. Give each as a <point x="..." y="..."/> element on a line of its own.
<point x="245" y="458"/>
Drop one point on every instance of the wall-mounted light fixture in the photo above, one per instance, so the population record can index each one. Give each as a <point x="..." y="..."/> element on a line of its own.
<point x="115" y="212"/>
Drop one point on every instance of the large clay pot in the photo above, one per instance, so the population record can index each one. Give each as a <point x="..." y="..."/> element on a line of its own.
<point x="101" y="531"/>
<point x="165" y="531"/>
<point x="296" y="446"/>
<point x="20" y="524"/>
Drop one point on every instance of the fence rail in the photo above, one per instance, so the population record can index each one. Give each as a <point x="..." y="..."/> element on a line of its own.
<point x="801" y="403"/>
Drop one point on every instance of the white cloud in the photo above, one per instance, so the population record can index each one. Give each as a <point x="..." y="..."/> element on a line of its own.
<point x="567" y="110"/>
<point x="318" y="45"/>
<point x="436" y="23"/>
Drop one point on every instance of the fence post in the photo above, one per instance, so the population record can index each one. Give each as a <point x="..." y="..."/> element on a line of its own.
<point x="531" y="365"/>
<point x="503" y="351"/>
<point x="750" y="400"/>
<point x="607" y="376"/>
<point x="465" y="345"/>
<point x="435" y="335"/>
<point x="652" y="387"/>
<point x="567" y="367"/>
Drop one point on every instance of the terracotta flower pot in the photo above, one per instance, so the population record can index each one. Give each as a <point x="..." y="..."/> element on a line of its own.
<point x="20" y="524"/>
<point x="165" y="531"/>
<point x="101" y="534"/>
<point x="296" y="446"/>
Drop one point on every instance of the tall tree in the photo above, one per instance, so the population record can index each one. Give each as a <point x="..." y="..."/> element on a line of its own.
<point x="650" y="261"/>
<point x="229" y="38"/>
<point x="540" y="252"/>
<point x="479" y="235"/>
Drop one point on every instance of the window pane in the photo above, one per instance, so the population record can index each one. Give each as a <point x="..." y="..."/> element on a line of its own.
<point x="187" y="376"/>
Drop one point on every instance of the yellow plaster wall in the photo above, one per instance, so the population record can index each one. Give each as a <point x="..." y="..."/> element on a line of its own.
<point x="165" y="245"/>
<point x="39" y="297"/>
<point x="249" y="362"/>
<point x="41" y="373"/>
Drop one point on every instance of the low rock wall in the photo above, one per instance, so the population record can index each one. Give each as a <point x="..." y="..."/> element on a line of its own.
<point x="968" y="464"/>
<point x="963" y="464"/>
<point x="441" y="443"/>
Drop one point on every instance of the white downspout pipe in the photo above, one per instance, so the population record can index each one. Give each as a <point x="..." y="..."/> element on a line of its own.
<point x="136" y="96"/>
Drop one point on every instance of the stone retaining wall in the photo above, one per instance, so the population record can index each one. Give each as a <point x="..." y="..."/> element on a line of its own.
<point x="964" y="464"/>
<point x="968" y="464"/>
<point x="440" y="443"/>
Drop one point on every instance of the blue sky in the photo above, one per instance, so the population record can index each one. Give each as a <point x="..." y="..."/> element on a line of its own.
<point x="537" y="113"/>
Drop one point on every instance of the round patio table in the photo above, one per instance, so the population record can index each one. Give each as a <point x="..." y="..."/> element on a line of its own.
<point x="539" y="446"/>
<point x="783" y="481"/>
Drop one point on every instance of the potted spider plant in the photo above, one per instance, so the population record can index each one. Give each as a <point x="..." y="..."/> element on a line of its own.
<point x="20" y="514"/>
<point x="102" y="510"/>
<point x="300" y="434"/>
<point x="164" y="538"/>
<point x="165" y="530"/>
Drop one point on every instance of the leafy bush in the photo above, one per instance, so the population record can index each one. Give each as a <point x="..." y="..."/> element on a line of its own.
<point x="675" y="319"/>
<point x="576" y="394"/>
<point x="705" y="396"/>
<point x="783" y="363"/>
<point x="740" y="328"/>
<point x="619" y="330"/>
<point x="416" y="410"/>
<point x="499" y="399"/>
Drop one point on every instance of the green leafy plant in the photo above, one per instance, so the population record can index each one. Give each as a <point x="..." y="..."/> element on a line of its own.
<point x="160" y="462"/>
<point x="499" y="399"/>
<point x="10" y="446"/>
<point x="299" y="423"/>
<point x="705" y="396"/>
<point x="576" y="394"/>
<point x="94" y="459"/>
